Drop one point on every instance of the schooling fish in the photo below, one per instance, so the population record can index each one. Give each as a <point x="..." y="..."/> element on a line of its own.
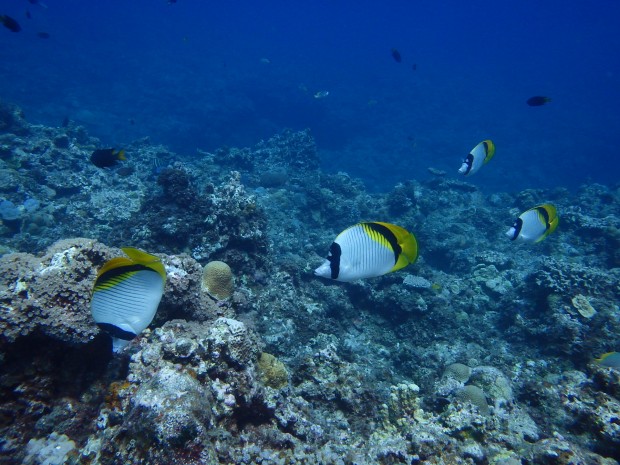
<point x="366" y="250"/>
<point x="480" y="155"/>
<point x="537" y="101"/>
<point x="126" y="295"/>
<point x="104" y="158"/>
<point x="610" y="359"/>
<point x="396" y="55"/>
<point x="535" y="224"/>
<point x="10" y="23"/>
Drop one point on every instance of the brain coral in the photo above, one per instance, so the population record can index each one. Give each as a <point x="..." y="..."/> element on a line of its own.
<point x="217" y="280"/>
<point x="458" y="371"/>
<point x="474" y="395"/>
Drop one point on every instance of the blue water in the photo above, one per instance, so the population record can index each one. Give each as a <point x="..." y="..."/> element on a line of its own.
<point x="194" y="74"/>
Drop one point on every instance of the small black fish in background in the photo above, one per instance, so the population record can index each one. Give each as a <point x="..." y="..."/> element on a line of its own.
<point x="414" y="66"/>
<point x="65" y="122"/>
<point x="10" y="23"/>
<point x="396" y="56"/>
<point x="28" y="15"/>
<point x="104" y="158"/>
<point x="43" y="35"/>
<point x="537" y="101"/>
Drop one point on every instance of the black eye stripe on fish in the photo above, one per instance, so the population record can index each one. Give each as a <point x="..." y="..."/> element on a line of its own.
<point x="517" y="227"/>
<point x="334" y="259"/>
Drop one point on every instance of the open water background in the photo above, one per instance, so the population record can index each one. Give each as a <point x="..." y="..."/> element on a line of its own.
<point x="194" y="74"/>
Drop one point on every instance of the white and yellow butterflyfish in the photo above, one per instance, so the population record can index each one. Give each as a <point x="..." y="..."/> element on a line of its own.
<point x="535" y="224"/>
<point x="480" y="155"/>
<point x="366" y="250"/>
<point x="126" y="295"/>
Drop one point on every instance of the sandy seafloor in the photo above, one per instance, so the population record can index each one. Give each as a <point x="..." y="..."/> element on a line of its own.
<point x="479" y="353"/>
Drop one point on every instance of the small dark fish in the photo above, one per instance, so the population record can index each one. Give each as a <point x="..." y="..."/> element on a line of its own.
<point x="10" y="23"/>
<point x="28" y="15"/>
<point x="65" y="122"/>
<point x="396" y="55"/>
<point x="43" y="35"/>
<point x="132" y="121"/>
<point x="33" y="2"/>
<point x="537" y="101"/>
<point x="414" y="66"/>
<point x="104" y="158"/>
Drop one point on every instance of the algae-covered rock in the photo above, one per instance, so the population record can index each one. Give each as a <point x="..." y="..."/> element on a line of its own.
<point x="272" y="371"/>
<point x="171" y="409"/>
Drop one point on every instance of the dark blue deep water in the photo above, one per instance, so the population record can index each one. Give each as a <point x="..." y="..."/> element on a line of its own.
<point x="197" y="74"/>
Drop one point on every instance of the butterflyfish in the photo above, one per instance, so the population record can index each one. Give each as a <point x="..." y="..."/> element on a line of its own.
<point x="366" y="250"/>
<point x="104" y="158"/>
<point x="610" y="359"/>
<point x="126" y="295"/>
<point x="535" y="224"/>
<point x="480" y="155"/>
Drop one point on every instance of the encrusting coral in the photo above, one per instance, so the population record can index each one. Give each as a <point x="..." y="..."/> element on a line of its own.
<point x="474" y="395"/>
<point x="217" y="280"/>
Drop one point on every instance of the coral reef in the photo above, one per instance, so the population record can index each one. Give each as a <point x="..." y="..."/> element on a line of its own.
<point x="481" y="352"/>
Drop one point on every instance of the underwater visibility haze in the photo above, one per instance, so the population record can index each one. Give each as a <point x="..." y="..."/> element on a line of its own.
<point x="309" y="232"/>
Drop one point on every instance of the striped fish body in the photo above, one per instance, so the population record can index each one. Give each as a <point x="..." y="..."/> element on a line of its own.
<point x="534" y="225"/>
<point x="126" y="295"/>
<point x="367" y="250"/>
<point x="480" y="155"/>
